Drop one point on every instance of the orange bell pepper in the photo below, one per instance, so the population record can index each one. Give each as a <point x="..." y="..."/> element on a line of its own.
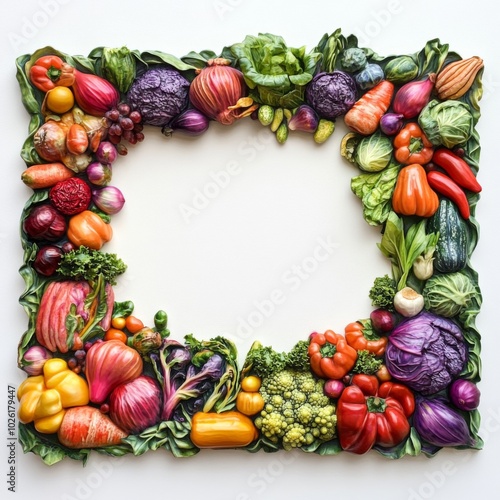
<point x="51" y="71"/>
<point x="330" y="355"/>
<point x="412" y="146"/>
<point x="359" y="338"/>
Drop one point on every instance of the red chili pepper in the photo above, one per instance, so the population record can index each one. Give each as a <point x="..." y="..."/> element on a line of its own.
<point x="450" y="189"/>
<point x="369" y="415"/>
<point x="457" y="168"/>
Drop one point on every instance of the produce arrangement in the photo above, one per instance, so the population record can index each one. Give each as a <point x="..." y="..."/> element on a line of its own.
<point x="401" y="381"/>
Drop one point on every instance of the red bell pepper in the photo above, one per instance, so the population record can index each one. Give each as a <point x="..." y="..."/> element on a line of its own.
<point x="369" y="414"/>
<point x="51" y="71"/>
<point x="330" y="355"/>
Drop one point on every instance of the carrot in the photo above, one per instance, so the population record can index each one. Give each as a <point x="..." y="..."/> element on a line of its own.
<point x="45" y="175"/>
<point x="87" y="427"/>
<point x="367" y="111"/>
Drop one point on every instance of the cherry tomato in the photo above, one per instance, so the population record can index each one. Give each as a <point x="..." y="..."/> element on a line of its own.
<point x="118" y="322"/>
<point x="115" y="334"/>
<point x="60" y="99"/>
<point x="133" y="324"/>
<point x="250" y="383"/>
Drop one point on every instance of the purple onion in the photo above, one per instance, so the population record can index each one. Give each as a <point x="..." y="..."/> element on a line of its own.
<point x="34" y="359"/>
<point x="333" y="388"/>
<point x="109" y="199"/>
<point x="99" y="173"/>
<point x="383" y="321"/>
<point x="391" y="123"/>
<point x="135" y="406"/>
<point x="106" y="152"/>
<point x="191" y="121"/>
<point x="412" y="97"/>
<point x="44" y="222"/>
<point x="464" y="394"/>
<point x="304" y="119"/>
<point x="439" y="425"/>
<point x="47" y="260"/>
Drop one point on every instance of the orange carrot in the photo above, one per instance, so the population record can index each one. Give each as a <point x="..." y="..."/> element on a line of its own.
<point x="87" y="427"/>
<point x="366" y="113"/>
<point x="45" y="175"/>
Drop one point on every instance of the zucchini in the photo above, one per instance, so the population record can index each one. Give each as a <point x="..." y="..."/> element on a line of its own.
<point x="451" y="249"/>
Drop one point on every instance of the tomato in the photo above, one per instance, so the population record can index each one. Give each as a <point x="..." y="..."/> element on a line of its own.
<point x="60" y="99"/>
<point x="250" y="383"/>
<point x="115" y="334"/>
<point x="118" y="322"/>
<point x="133" y="324"/>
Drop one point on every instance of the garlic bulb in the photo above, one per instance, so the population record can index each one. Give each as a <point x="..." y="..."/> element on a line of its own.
<point x="408" y="302"/>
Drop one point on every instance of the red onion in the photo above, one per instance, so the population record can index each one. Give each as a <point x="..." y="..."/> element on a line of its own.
<point x="439" y="425"/>
<point x="47" y="260"/>
<point x="333" y="388"/>
<point x="191" y="121"/>
<point x="464" y="394"/>
<point x="391" y="123"/>
<point x="34" y="359"/>
<point x="304" y="119"/>
<point x="219" y="90"/>
<point x="412" y="97"/>
<point x="383" y="321"/>
<point x="109" y="199"/>
<point x="135" y="406"/>
<point x="44" y="222"/>
<point x="99" y="173"/>
<point x="106" y="152"/>
<point x="94" y="94"/>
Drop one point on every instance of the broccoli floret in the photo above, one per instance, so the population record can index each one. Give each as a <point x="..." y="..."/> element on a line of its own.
<point x="382" y="292"/>
<point x="367" y="363"/>
<point x="296" y="413"/>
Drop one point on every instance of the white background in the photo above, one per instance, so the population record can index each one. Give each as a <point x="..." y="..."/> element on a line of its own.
<point x="217" y="271"/>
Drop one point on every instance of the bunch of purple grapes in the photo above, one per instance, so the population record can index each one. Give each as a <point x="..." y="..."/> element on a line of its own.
<point x="124" y="124"/>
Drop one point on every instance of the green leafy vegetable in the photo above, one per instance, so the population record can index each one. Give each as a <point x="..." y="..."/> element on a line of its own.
<point x="367" y="363"/>
<point x="382" y="292"/>
<point x="264" y="360"/>
<point x="275" y="73"/>
<point x="330" y="46"/>
<point x="373" y="152"/>
<point x="375" y="192"/>
<point x="403" y="248"/>
<point x="298" y="357"/>
<point x="86" y="264"/>
<point x="448" y="294"/>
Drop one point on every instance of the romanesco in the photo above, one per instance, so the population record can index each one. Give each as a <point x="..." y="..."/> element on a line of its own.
<point x="297" y="414"/>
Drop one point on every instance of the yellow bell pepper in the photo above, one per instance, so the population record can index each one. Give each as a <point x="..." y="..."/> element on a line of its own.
<point x="43" y="398"/>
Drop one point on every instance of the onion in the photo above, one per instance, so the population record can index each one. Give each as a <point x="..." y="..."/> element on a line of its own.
<point x="464" y="394"/>
<point x="50" y="141"/>
<point x="304" y="119"/>
<point x="135" y="406"/>
<point x="439" y="425"/>
<point x="191" y="121"/>
<point x="391" y="123"/>
<point x="99" y="173"/>
<point x="383" y="321"/>
<point x="333" y="388"/>
<point x="219" y="90"/>
<point x="109" y="199"/>
<point x="34" y="359"/>
<point x="47" y="260"/>
<point x="44" y="222"/>
<point x="106" y="152"/>
<point x="94" y="94"/>
<point x="412" y="97"/>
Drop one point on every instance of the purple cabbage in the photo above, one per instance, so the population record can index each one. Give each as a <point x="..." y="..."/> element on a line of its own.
<point x="331" y="94"/>
<point x="426" y="352"/>
<point x="159" y="94"/>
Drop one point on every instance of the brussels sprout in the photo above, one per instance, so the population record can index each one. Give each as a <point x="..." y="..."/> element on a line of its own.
<point x="448" y="123"/>
<point x="373" y="152"/>
<point x="401" y="69"/>
<point x="369" y="76"/>
<point x="353" y="59"/>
